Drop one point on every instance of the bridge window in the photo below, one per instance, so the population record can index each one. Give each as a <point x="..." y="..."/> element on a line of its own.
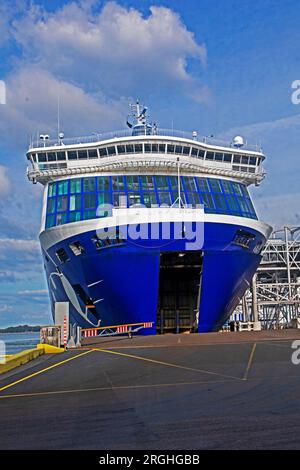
<point x="111" y="150"/>
<point x="75" y="185"/>
<point x="129" y="148"/>
<point x="62" y="203"/>
<point x="121" y="149"/>
<point x="82" y="154"/>
<point x="103" y="183"/>
<point x="75" y="216"/>
<point x="93" y="153"/>
<point x="51" y="156"/>
<point x="138" y="148"/>
<point x="118" y="182"/>
<point x="88" y="185"/>
<point x="61" y="219"/>
<point x="134" y="198"/>
<point x="210" y="155"/>
<point x="170" y="148"/>
<point x="61" y="156"/>
<point x="42" y="157"/>
<point x="150" y="199"/>
<point x="51" y="206"/>
<point x="72" y="155"/>
<point x="162" y="183"/>
<point x="52" y="189"/>
<point x="75" y="202"/>
<point x="78" y="198"/>
<point x="63" y="187"/>
<point x="164" y="198"/>
<point x="89" y="201"/>
<point x="227" y="157"/>
<point x="147" y="182"/>
<point x="133" y="182"/>
<point x="103" y="152"/>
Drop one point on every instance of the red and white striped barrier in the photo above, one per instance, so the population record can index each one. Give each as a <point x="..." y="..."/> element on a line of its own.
<point x="90" y="333"/>
<point x="122" y="329"/>
<point x="65" y="331"/>
<point x="148" y="325"/>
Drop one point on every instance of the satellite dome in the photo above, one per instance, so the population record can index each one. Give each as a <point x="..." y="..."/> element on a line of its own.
<point x="238" y="141"/>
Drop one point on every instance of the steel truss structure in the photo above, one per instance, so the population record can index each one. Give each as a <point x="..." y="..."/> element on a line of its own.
<point x="274" y="297"/>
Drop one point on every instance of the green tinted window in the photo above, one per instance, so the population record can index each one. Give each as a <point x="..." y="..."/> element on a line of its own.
<point x="75" y="202"/>
<point x="75" y="185"/>
<point x="52" y="190"/>
<point x="62" y="187"/>
<point x="89" y="185"/>
<point x="75" y="216"/>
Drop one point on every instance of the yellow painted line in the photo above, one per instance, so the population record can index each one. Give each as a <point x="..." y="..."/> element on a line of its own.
<point x="250" y="360"/>
<point x="168" y="364"/>
<point x="105" y="389"/>
<point x="44" y="370"/>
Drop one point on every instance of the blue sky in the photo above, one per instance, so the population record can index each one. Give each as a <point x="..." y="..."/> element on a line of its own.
<point x="222" y="67"/>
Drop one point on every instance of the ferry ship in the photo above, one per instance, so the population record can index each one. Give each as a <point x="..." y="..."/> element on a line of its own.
<point x="120" y="211"/>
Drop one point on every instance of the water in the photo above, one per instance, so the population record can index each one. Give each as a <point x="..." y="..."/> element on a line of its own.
<point x="16" y="342"/>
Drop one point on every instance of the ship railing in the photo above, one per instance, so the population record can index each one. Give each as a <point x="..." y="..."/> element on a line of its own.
<point x="102" y="331"/>
<point x="98" y="137"/>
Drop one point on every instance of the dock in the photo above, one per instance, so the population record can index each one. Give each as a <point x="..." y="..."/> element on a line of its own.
<point x="209" y="391"/>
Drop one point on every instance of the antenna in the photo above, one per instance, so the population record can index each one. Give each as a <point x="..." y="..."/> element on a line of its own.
<point x="178" y="199"/>
<point x="58" y="116"/>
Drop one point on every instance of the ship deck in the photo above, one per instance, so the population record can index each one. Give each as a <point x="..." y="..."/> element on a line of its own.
<point x="209" y="391"/>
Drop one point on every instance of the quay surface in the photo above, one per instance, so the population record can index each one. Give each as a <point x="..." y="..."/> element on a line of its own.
<point x="209" y="391"/>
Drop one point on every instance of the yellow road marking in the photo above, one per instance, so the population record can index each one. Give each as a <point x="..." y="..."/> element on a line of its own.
<point x="44" y="370"/>
<point x="169" y="364"/>
<point x="103" y="389"/>
<point x="250" y="360"/>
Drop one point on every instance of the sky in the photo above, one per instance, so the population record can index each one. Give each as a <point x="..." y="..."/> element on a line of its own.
<point x="221" y="67"/>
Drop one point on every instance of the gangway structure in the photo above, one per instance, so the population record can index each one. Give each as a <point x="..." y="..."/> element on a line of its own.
<point x="274" y="296"/>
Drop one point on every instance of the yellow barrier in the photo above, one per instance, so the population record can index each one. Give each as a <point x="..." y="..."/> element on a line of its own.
<point x="16" y="360"/>
<point x="49" y="349"/>
<point x="20" y="358"/>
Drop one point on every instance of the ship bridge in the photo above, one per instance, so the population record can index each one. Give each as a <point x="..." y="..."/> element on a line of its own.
<point x="150" y="149"/>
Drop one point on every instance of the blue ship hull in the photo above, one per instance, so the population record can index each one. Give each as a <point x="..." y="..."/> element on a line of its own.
<point x="120" y="283"/>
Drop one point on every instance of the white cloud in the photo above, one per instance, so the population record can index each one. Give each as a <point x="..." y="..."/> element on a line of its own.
<point x="34" y="292"/>
<point x="5" y="184"/>
<point x="279" y="210"/>
<point x="261" y="128"/>
<point x="8" y="11"/>
<point x="5" y="308"/>
<point x="116" y="50"/>
<point x="32" y="99"/>
<point x="19" y="245"/>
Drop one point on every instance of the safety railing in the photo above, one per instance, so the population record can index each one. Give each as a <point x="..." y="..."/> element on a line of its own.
<point x="113" y="330"/>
